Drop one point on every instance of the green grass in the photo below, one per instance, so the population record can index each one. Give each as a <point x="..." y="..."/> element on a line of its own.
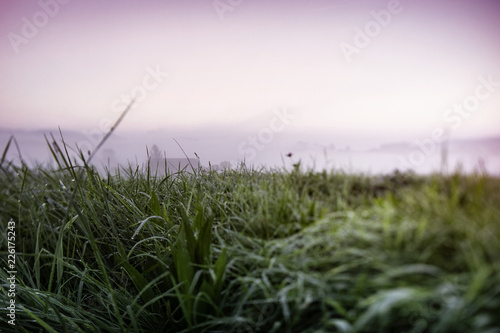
<point x="250" y="251"/>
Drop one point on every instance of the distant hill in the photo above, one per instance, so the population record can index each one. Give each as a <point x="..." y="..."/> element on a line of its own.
<point x="215" y="146"/>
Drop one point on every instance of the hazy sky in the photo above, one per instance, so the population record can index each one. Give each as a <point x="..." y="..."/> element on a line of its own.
<point x="229" y="63"/>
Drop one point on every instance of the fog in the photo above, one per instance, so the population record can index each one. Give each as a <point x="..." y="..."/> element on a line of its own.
<point x="220" y="150"/>
<point x="358" y="86"/>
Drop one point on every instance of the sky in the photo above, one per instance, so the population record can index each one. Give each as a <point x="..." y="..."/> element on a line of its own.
<point x="348" y="73"/>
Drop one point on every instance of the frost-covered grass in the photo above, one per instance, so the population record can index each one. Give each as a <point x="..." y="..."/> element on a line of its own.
<point x="250" y="251"/>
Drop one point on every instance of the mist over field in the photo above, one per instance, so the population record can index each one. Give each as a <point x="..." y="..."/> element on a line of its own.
<point x="219" y="150"/>
<point x="367" y="86"/>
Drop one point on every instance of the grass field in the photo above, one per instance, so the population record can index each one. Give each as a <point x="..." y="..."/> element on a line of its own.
<point x="249" y="251"/>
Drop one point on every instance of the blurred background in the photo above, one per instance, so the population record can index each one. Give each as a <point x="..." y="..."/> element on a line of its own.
<point x="368" y="86"/>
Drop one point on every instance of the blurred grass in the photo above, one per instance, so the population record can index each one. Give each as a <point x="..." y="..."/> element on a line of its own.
<point x="250" y="250"/>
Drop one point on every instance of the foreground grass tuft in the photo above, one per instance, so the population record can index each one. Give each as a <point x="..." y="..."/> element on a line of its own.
<point x="250" y="251"/>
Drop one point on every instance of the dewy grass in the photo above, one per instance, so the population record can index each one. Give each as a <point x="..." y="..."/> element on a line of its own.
<point x="249" y="251"/>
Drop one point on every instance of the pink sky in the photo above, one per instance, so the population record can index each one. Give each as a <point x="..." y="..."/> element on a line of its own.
<point x="229" y="69"/>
